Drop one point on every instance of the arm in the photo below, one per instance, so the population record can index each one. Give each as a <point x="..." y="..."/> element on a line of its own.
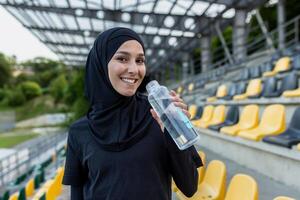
<point x="183" y="166"/>
<point x="76" y="193"/>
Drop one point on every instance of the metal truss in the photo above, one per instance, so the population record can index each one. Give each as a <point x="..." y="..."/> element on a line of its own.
<point x="169" y="28"/>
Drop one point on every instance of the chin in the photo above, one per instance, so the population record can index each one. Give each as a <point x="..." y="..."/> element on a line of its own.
<point x="128" y="93"/>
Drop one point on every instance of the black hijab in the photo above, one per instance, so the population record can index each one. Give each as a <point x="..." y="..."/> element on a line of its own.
<point x="116" y="121"/>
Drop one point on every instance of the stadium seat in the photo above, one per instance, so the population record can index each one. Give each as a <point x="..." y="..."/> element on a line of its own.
<point x="292" y="93"/>
<point x="289" y="137"/>
<point x="298" y="146"/>
<point x="255" y="72"/>
<point x="270" y="88"/>
<point x="232" y="117"/>
<point x="269" y="125"/>
<point x="283" y="64"/>
<point x="206" y="116"/>
<point x="5" y="196"/>
<point x="191" y="87"/>
<point x="266" y="67"/>
<point x="58" y="181"/>
<point x="179" y="90"/>
<point x="296" y="62"/>
<point x="22" y="194"/>
<point x="248" y="119"/>
<point x="211" y="94"/>
<point x="221" y="92"/>
<point x="14" y="196"/>
<point x="198" y="113"/>
<point x="253" y="90"/>
<point x="242" y="187"/>
<point x="29" y="188"/>
<point x="244" y="75"/>
<point x="201" y="170"/>
<point x="192" y="110"/>
<point x="231" y="92"/>
<point x="284" y="198"/>
<point x="213" y="185"/>
<point x="217" y="117"/>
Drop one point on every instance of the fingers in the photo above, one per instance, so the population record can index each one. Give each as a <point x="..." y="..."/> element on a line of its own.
<point x="187" y="113"/>
<point x="181" y="105"/>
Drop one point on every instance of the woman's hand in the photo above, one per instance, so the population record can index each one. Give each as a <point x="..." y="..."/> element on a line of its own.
<point x="177" y="102"/>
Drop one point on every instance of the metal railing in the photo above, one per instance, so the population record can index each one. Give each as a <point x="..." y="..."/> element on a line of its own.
<point x="253" y="47"/>
<point x="18" y="163"/>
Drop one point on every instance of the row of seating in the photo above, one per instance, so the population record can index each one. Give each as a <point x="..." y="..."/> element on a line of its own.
<point x="34" y="178"/>
<point x="212" y="184"/>
<point x="247" y="125"/>
<point x="256" y="88"/>
<point x="267" y="69"/>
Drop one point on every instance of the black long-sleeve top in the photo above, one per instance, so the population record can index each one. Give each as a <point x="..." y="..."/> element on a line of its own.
<point x="142" y="171"/>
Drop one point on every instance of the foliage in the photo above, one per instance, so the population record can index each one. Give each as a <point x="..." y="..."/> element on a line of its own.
<point x="5" y="72"/>
<point x="30" y="89"/>
<point x="15" y="97"/>
<point x="58" y="88"/>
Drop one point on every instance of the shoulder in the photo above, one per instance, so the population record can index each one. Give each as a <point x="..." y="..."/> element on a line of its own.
<point x="78" y="130"/>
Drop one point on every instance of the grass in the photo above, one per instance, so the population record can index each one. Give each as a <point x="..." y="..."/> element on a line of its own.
<point x="35" y="107"/>
<point x="10" y="140"/>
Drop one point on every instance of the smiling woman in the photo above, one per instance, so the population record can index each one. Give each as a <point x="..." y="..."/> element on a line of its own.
<point x="127" y="69"/>
<point x="118" y="150"/>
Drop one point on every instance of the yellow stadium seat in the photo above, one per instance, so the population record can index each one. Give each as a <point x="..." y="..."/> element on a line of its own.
<point x="292" y="93"/>
<point x="298" y="146"/>
<point x="272" y="123"/>
<point x="221" y="92"/>
<point x="217" y="117"/>
<point x="193" y="110"/>
<point x="14" y="196"/>
<point x="29" y="188"/>
<point x="191" y="87"/>
<point x="284" y="198"/>
<point x="179" y="90"/>
<point x="206" y="115"/>
<point x="254" y="88"/>
<point x="242" y="187"/>
<point x="213" y="185"/>
<point x="58" y="180"/>
<point x="249" y="118"/>
<point x="283" y="64"/>
<point x="49" y="187"/>
<point x="39" y="194"/>
<point x="201" y="170"/>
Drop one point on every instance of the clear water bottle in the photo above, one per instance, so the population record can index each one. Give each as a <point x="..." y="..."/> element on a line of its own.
<point x="175" y="121"/>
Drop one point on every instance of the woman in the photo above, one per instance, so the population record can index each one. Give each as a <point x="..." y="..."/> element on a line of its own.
<point x="120" y="150"/>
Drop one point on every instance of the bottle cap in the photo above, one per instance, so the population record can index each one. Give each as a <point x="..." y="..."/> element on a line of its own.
<point x="152" y="85"/>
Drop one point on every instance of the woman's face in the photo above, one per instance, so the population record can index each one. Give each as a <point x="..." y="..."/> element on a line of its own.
<point x="126" y="69"/>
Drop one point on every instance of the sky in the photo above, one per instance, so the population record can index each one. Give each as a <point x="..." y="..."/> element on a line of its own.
<point x="19" y="41"/>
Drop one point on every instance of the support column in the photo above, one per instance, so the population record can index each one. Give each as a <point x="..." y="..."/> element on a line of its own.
<point x="280" y="23"/>
<point x="185" y="66"/>
<point x="205" y="45"/>
<point x="239" y="35"/>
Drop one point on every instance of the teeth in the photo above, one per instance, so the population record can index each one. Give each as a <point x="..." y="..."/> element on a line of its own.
<point x="128" y="80"/>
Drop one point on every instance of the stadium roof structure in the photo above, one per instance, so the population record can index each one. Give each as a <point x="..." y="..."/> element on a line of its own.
<point x="169" y="28"/>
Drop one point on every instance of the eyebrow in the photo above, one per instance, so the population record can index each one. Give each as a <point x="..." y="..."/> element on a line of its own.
<point x="127" y="53"/>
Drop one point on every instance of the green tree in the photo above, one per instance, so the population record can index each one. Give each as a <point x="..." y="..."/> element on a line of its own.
<point x="30" y="89"/>
<point x="5" y="70"/>
<point x="58" y="88"/>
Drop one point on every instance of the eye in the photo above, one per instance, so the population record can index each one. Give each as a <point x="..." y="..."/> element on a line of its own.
<point x="122" y="59"/>
<point x="140" y="60"/>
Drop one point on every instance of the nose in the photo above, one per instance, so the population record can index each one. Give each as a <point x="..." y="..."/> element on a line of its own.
<point x="133" y="68"/>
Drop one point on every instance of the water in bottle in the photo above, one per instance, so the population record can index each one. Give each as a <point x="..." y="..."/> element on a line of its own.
<point x="174" y="120"/>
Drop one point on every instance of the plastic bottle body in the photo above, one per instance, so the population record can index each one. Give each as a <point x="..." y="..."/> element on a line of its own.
<point x="175" y="121"/>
